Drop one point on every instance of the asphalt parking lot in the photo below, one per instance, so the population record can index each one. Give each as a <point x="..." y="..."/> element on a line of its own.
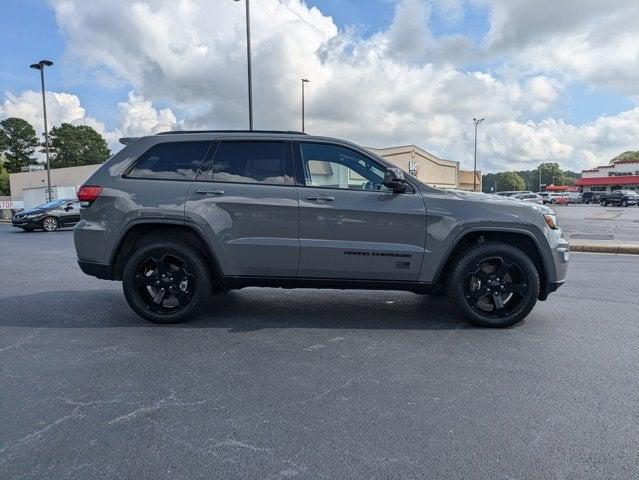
<point x="597" y="224"/>
<point x="311" y="384"/>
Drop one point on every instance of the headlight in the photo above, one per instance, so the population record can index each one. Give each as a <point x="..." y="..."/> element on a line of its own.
<point x="551" y="220"/>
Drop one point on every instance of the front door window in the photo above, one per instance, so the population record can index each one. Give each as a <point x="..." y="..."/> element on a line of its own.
<point x="332" y="166"/>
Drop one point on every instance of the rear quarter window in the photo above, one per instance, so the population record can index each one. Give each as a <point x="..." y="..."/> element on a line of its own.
<point x="170" y="161"/>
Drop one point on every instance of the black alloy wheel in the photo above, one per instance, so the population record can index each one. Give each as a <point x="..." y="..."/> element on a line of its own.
<point x="166" y="282"/>
<point x="493" y="284"/>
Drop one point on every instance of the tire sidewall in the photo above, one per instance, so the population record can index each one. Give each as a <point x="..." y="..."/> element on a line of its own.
<point x="57" y="224"/>
<point x="457" y="278"/>
<point x="201" y="273"/>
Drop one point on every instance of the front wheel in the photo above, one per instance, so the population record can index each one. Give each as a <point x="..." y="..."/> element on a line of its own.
<point x="604" y="203"/>
<point x="166" y="282"/>
<point x="624" y="203"/>
<point x="493" y="284"/>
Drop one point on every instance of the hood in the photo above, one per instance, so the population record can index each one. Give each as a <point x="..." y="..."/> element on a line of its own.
<point x="31" y="211"/>
<point x="498" y="200"/>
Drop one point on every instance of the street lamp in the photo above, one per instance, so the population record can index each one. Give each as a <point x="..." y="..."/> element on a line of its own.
<point x="304" y="80"/>
<point x="248" y="59"/>
<point x="40" y="66"/>
<point x="477" y="122"/>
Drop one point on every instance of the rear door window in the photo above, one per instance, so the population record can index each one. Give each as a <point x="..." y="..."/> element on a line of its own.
<point x="264" y="162"/>
<point x="171" y="161"/>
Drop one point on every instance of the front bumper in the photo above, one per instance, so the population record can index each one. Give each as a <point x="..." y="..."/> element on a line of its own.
<point x="99" y="270"/>
<point x="27" y="222"/>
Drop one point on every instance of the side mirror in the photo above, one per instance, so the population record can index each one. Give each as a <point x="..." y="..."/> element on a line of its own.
<point x="394" y="179"/>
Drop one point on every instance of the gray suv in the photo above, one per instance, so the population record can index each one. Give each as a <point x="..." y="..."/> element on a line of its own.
<point x="178" y="215"/>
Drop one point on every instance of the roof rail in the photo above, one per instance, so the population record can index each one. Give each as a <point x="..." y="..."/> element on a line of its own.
<point x="128" y="140"/>
<point x="286" y="132"/>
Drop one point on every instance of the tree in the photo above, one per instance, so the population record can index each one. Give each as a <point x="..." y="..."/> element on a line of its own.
<point x="18" y="142"/>
<point x="4" y="178"/>
<point x="72" y="145"/>
<point x="550" y="173"/>
<point x="626" y="157"/>
<point x="510" y="181"/>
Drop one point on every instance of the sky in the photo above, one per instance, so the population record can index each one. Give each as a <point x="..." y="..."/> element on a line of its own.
<point x="556" y="81"/>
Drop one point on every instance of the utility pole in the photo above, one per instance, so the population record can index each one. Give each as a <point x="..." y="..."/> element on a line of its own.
<point x="248" y="63"/>
<point x="40" y="66"/>
<point x="477" y="122"/>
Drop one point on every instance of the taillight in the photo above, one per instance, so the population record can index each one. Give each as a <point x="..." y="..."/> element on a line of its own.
<point x="88" y="193"/>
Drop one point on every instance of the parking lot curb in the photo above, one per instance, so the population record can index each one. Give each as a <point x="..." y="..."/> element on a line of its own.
<point x="595" y="248"/>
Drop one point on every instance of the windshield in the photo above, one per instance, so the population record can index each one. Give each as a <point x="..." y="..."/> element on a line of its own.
<point x="51" y="204"/>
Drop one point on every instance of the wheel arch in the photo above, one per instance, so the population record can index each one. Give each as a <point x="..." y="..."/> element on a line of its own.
<point x="138" y="233"/>
<point x="522" y="239"/>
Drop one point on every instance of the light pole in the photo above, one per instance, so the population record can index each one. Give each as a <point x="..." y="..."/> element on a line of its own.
<point x="248" y="60"/>
<point x="304" y="80"/>
<point x="40" y="66"/>
<point x="477" y="122"/>
<point x="539" y="168"/>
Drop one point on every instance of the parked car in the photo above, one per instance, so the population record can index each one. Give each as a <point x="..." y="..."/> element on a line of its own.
<point x="49" y="216"/>
<point x="530" y="197"/>
<point x="175" y="216"/>
<point x="592" y="197"/>
<point x="556" y="198"/>
<point x="620" y="198"/>
<point x="573" y="197"/>
<point x="511" y="193"/>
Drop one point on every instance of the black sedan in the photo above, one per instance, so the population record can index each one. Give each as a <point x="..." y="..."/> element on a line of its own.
<point x="49" y="216"/>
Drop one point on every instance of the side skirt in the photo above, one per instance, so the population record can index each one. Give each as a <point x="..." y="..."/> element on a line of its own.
<point x="333" y="283"/>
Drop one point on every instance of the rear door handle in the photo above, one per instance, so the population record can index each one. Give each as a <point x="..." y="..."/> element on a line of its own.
<point x="210" y="192"/>
<point x="317" y="198"/>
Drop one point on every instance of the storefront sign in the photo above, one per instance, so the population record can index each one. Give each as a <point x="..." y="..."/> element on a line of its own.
<point x="11" y="204"/>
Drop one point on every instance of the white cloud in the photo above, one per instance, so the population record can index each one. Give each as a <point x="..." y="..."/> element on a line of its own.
<point x="136" y="116"/>
<point x="61" y="108"/>
<point x="596" y="41"/>
<point x="403" y="85"/>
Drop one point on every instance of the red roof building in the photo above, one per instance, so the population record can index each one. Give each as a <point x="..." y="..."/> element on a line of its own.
<point x="618" y="176"/>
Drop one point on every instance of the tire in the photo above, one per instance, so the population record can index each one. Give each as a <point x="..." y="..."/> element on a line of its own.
<point x="50" y="224"/>
<point x="604" y="203"/>
<point x="479" y="267"/>
<point x="552" y="202"/>
<point x="174" y="297"/>
<point x="624" y="203"/>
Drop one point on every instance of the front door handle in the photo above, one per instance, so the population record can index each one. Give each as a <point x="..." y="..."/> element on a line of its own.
<point x="316" y="198"/>
<point x="210" y="192"/>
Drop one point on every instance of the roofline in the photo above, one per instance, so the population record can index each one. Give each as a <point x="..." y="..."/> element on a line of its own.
<point x="283" y="132"/>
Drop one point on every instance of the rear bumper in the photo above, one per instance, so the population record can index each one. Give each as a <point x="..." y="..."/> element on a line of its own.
<point x="99" y="270"/>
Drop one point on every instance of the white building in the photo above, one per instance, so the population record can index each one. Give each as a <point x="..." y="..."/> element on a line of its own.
<point x="618" y="176"/>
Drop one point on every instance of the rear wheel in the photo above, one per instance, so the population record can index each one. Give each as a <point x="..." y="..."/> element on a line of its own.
<point x="50" y="224"/>
<point x="494" y="285"/>
<point x="166" y="282"/>
<point x="604" y="203"/>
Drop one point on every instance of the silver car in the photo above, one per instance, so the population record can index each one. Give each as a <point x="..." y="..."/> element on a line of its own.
<point x="178" y="215"/>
